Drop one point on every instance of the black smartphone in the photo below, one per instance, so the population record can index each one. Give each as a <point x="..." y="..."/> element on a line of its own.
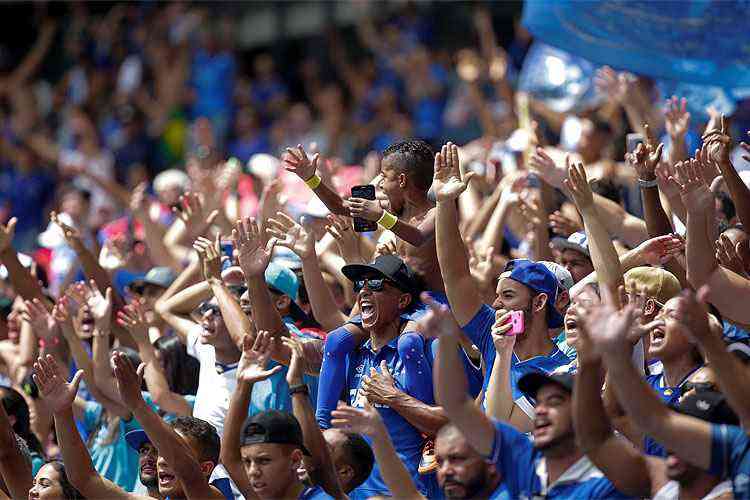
<point x="366" y="192"/>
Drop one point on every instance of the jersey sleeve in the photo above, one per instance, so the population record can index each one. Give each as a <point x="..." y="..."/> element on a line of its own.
<point x="512" y="454"/>
<point x="478" y="331"/>
<point x="728" y="443"/>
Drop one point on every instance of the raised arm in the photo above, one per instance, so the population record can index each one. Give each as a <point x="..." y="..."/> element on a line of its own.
<point x="59" y="396"/>
<point x="368" y="421"/>
<point x="154" y="234"/>
<point x="449" y="182"/>
<point x="131" y="318"/>
<point x="21" y="278"/>
<point x="14" y="469"/>
<point x="372" y="210"/>
<point x="451" y="387"/>
<point x="603" y="254"/>
<point x="620" y="461"/>
<point x="719" y="144"/>
<point x="644" y="160"/>
<point x="686" y="436"/>
<point x="250" y="369"/>
<point x="296" y="161"/>
<point x="172" y="448"/>
<point x="300" y="240"/>
<point x="176" y="309"/>
<point x="305" y="415"/>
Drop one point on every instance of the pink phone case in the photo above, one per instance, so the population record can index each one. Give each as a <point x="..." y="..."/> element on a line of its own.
<point x="516" y="319"/>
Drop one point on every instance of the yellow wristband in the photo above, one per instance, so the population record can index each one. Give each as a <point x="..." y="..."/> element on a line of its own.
<point x="313" y="182"/>
<point x="387" y="220"/>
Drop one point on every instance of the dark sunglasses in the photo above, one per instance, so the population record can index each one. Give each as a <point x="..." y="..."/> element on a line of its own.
<point x="698" y="387"/>
<point x="373" y="284"/>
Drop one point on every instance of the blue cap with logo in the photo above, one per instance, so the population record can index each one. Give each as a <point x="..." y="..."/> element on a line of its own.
<point x="540" y="279"/>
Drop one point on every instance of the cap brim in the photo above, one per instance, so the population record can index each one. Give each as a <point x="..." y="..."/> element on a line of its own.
<point x="136" y="439"/>
<point x="356" y="272"/>
<point x="564" y="244"/>
<point x="530" y="383"/>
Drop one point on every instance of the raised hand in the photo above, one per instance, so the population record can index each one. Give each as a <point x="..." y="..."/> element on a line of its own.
<point x="387" y="248"/>
<point x="450" y="179"/>
<point x="192" y="212"/>
<point x="663" y="171"/>
<point x="365" y="420"/>
<point x="42" y="322"/>
<point x="209" y="253"/>
<point x="729" y="257"/>
<point x="563" y="225"/>
<point x="139" y="200"/>
<point x="693" y="189"/>
<point x="133" y="319"/>
<point x="340" y="227"/>
<point x="677" y="118"/>
<point x="719" y="143"/>
<point x="578" y="187"/>
<point x="547" y="169"/>
<point x="253" y="256"/>
<point x="646" y="157"/>
<point x="365" y="209"/>
<point x="618" y="86"/>
<point x="255" y="355"/>
<point x="438" y="322"/>
<point x="61" y="313"/>
<point x="72" y="236"/>
<point x="708" y="168"/>
<point x="228" y="174"/>
<point x="7" y="232"/>
<point x="100" y="307"/>
<point x="56" y="392"/>
<point x="296" y="364"/>
<point x="296" y="161"/>
<point x="608" y="327"/>
<point x="661" y="249"/>
<point x="503" y="343"/>
<point x="292" y="235"/>
<point x="129" y="380"/>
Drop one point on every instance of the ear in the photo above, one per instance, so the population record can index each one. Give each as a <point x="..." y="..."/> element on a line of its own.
<point x="402" y="180"/>
<point x="296" y="458"/>
<point x="404" y="300"/>
<point x="539" y="301"/>
<point x="563" y="300"/>
<point x="207" y="468"/>
<point x="650" y="307"/>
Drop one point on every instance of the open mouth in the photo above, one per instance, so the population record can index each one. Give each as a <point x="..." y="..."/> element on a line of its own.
<point x="258" y="486"/>
<point x="540" y="426"/>
<point x="657" y="336"/>
<point x="166" y="478"/>
<point x="571" y="324"/>
<point x="367" y="308"/>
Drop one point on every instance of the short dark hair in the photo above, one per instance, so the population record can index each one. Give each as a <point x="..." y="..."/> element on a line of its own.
<point x="69" y="491"/>
<point x="360" y="456"/>
<point x="180" y="369"/>
<point x="204" y="433"/>
<point x="416" y="160"/>
<point x="15" y="405"/>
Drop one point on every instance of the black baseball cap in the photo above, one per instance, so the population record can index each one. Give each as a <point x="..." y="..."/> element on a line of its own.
<point x="273" y="427"/>
<point x="390" y="267"/>
<point x="530" y="383"/>
<point x="710" y="406"/>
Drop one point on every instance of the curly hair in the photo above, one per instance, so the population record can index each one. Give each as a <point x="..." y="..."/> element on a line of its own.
<point x="415" y="158"/>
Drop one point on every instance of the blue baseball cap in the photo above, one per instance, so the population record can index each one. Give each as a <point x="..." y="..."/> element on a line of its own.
<point x="540" y="279"/>
<point x="136" y="438"/>
<point x="282" y="279"/>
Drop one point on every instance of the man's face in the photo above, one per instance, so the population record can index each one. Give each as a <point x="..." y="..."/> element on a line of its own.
<point x="245" y="304"/>
<point x="214" y="329"/>
<point x="577" y="264"/>
<point x="271" y="468"/>
<point x="169" y="485"/>
<point x="379" y="308"/>
<point x="147" y="457"/>
<point x="336" y="440"/>
<point x="390" y="184"/>
<point x="553" y="420"/>
<point x="574" y="315"/>
<point x="149" y="295"/>
<point x="671" y="339"/>
<point x="514" y="296"/>
<point x="462" y="472"/>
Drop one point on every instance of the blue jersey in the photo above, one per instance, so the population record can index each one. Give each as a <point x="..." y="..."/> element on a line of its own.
<point x="478" y="330"/>
<point x="730" y="457"/>
<point x="314" y="493"/>
<point x="406" y="439"/>
<point x="524" y="471"/>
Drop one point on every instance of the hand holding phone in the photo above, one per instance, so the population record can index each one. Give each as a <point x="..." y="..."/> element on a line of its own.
<point x="366" y="192"/>
<point x="517" y="323"/>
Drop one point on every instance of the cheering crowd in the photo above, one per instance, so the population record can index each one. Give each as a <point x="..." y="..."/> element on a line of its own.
<point x="210" y="289"/>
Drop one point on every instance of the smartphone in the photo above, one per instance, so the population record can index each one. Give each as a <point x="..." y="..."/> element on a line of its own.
<point x="632" y="141"/>
<point x="516" y="320"/>
<point x="366" y="192"/>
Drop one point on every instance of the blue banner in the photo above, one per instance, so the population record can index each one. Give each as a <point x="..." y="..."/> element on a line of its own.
<point x="700" y="41"/>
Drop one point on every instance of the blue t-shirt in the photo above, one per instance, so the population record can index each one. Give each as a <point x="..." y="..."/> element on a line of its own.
<point x="524" y="472"/>
<point x="406" y="438"/>
<point x="730" y="457"/>
<point x="273" y="393"/>
<point x="479" y="332"/>
<point x="314" y="493"/>
<point x="213" y="82"/>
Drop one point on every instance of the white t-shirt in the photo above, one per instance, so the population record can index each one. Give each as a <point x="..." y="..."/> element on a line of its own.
<point x="671" y="491"/>
<point x="214" y="388"/>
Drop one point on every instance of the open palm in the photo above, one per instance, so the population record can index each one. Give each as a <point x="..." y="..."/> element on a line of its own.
<point x="449" y="180"/>
<point x="57" y="393"/>
<point x="251" y="253"/>
<point x="291" y="235"/>
<point x="255" y="356"/>
<point x="365" y="420"/>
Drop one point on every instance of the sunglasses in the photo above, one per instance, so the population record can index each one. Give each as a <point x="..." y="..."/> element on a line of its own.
<point x="698" y="387"/>
<point x="373" y="284"/>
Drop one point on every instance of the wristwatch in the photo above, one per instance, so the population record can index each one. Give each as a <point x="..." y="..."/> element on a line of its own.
<point x="299" y="389"/>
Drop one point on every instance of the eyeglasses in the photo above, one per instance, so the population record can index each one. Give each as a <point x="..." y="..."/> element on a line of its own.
<point x="373" y="284"/>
